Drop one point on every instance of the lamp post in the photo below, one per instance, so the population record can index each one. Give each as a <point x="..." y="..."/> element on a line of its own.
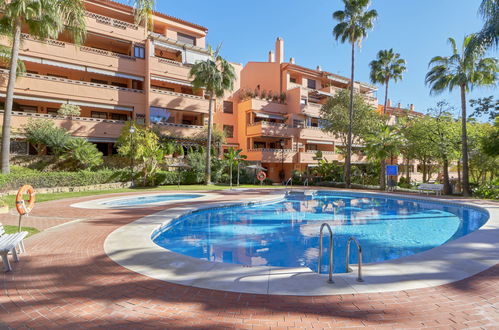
<point x="282" y="160"/>
<point x="132" y="132"/>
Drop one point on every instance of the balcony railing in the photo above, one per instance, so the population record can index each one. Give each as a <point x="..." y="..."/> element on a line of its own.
<point x="63" y="44"/>
<point x="323" y="152"/>
<point x="168" y="61"/>
<point x="179" y="125"/>
<point x="76" y="82"/>
<point x="271" y="150"/>
<point x="50" y="116"/>
<point x="266" y="123"/>
<point x="111" y="21"/>
<point x="177" y="94"/>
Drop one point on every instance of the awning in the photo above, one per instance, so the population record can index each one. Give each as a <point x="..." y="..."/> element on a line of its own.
<point x="324" y="93"/>
<point x="79" y="67"/>
<point x="165" y="45"/>
<point x="172" y="81"/>
<point x="59" y="101"/>
<point x="269" y="116"/>
<point x="319" y="142"/>
<point x="338" y="79"/>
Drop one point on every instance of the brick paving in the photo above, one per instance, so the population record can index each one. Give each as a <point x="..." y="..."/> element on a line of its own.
<point x="66" y="281"/>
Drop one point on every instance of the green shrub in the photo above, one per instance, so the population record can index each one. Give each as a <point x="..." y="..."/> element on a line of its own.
<point x="21" y="176"/>
<point x="81" y="154"/>
<point x="487" y="191"/>
<point x="69" y="110"/>
<point x="164" y="178"/>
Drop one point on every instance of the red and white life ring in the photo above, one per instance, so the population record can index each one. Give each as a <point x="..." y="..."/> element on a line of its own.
<point x="22" y="206"/>
<point x="261" y="176"/>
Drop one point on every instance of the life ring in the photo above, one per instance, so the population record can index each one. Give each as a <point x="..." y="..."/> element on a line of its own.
<point x="261" y="176"/>
<point x="22" y="206"/>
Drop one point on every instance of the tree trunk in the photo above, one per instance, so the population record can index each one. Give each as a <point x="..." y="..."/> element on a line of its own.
<point x="382" y="179"/>
<point x="208" y="142"/>
<point x="459" y="183"/>
<point x="407" y="171"/>
<point x="447" y="189"/>
<point x="9" y="100"/>
<point x="464" y="141"/>
<point x="424" y="172"/>
<point x="230" y="174"/>
<point x="238" y="174"/>
<point x="348" y="157"/>
<point x="386" y="96"/>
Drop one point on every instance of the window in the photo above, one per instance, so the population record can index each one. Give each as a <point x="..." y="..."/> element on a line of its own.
<point x="298" y="123"/>
<point x="311" y="83"/>
<point x="160" y="115"/>
<point x="119" y="116"/>
<point x="228" y="107"/>
<point x="303" y="101"/>
<point x="229" y="131"/>
<point x="292" y="79"/>
<point x="98" y="81"/>
<point x="138" y="51"/>
<point x="98" y="114"/>
<point x="137" y="84"/>
<point x="311" y="147"/>
<point x="28" y="108"/>
<point x="52" y="111"/>
<point x="187" y="39"/>
<point x="118" y="84"/>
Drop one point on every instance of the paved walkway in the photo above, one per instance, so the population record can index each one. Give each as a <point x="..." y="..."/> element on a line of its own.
<point x="67" y="281"/>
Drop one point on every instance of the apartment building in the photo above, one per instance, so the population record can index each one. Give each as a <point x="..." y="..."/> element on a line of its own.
<point x="285" y="135"/>
<point x="121" y="72"/>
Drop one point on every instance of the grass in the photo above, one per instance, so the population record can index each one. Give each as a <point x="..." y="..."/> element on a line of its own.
<point x="13" y="229"/>
<point x="10" y="200"/>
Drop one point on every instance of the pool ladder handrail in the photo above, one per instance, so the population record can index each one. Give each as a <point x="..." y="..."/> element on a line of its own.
<point x="289" y="182"/>
<point x="359" y="257"/>
<point x="305" y="183"/>
<point x="330" y="280"/>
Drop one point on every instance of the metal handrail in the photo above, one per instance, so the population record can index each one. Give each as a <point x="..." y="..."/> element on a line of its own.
<point x="359" y="249"/>
<point x="330" y="280"/>
<point x="305" y="183"/>
<point x="290" y="181"/>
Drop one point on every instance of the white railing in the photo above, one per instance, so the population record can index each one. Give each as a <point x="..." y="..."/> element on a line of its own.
<point x="179" y="125"/>
<point x="111" y="21"/>
<point x="76" y="82"/>
<point x="168" y="61"/>
<point x="177" y="94"/>
<point x="50" y="116"/>
<point x="176" y="42"/>
<point x="271" y="150"/>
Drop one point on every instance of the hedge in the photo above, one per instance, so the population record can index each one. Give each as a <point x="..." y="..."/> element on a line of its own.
<point x="20" y="176"/>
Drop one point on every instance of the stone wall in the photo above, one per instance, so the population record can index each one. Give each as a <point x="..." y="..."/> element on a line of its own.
<point x="105" y="186"/>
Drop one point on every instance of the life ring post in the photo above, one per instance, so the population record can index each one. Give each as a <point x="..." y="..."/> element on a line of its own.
<point x="24" y="207"/>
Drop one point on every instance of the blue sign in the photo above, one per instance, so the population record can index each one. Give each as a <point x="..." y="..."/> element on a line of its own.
<point x="392" y="170"/>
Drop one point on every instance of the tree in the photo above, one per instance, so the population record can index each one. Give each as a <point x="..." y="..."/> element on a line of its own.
<point x="382" y="145"/>
<point x="464" y="70"/>
<point x="234" y="158"/>
<point x="336" y="115"/>
<point x="490" y="142"/>
<point x="69" y="110"/>
<point x="489" y="35"/>
<point x="484" y="160"/>
<point x="42" y="134"/>
<point x="387" y="66"/>
<point x="216" y="76"/>
<point x="144" y="148"/>
<point x="143" y="12"/>
<point x="81" y="154"/>
<point x="354" y="22"/>
<point x="43" y="19"/>
<point x="485" y="106"/>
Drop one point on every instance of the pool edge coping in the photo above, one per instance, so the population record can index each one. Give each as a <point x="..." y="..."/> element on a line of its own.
<point x="441" y="265"/>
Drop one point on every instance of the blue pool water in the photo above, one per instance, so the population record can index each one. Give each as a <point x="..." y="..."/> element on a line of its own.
<point x="142" y="200"/>
<point x="286" y="233"/>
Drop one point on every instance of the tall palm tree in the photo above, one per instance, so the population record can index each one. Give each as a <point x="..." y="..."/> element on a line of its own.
<point x="234" y="158"/>
<point x="489" y="35"/>
<point x="143" y="12"/>
<point x="354" y="22"/>
<point x="465" y="71"/>
<point x="216" y="75"/>
<point x="387" y="66"/>
<point x="42" y="19"/>
<point x="385" y="144"/>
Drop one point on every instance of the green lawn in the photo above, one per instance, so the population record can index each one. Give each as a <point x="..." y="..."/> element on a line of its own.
<point x="13" y="229"/>
<point x="10" y="200"/>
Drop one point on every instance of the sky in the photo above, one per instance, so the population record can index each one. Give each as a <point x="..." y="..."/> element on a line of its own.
<point x="417" y="29"/>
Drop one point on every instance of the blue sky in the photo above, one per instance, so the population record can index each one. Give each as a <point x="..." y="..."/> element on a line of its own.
<point x="417" y="29"/>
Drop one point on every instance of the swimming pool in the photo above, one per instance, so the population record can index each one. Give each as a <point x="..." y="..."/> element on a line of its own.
<point x="286" y="233"/>
<point x="150" y="199"/>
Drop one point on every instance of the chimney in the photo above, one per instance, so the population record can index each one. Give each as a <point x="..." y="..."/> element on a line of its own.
<point x="292" y="60"/>
<point x="388" y="103"/>
<point x="319" y="68"/>
<point x="279" y="50"/>
<point x="271" y="57"/>
<point x="411" y="107"/>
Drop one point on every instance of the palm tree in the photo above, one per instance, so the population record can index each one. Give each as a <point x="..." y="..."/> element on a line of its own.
<point x="143" y="12"/>
<point x="489" y="35"/>
<point x="234" y="158"/>
<point x="354" y="22"/>
<point x="464" y="70"/>
<point x="42" y="19"/>
<point x="385" y="144"/>
<point x="387" y="66"/>
<point x="216" y="75"/>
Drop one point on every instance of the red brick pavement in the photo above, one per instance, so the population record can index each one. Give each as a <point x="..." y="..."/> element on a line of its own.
<point x="67" y="281"/>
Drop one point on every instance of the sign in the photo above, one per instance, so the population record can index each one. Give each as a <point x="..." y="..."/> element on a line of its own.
<point x="392" y="170"/>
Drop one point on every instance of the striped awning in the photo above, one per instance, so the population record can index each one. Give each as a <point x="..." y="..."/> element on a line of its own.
<point x="319" y="142"/>
<point x="269" y="116"/>
<point x="172" y="81"/>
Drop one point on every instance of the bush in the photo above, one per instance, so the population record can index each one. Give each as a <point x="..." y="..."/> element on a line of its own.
<point x="404" y="183"/>
<point x="164" y="178"/>
<point x="81" y="154"/>
<point x="486" y="191"/>
<point x="69" y="110"/>
<point x="21" y="176"/>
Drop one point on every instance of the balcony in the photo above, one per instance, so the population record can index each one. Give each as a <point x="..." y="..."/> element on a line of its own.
<point x="308" y="157"/>
<point x="312" y="109"/>
<point x="272" y="155"/>
<point x="77" y="126"/>
<point x="264" y="128"/>
<point x="178" y="101"/>
<point x="62" y="88"/>
<point x="316" y="133"/>
<point x="180" y="130"/>
<point x="356" y="158"/>
<point x="111" y="26"/>
<point x="170" y="68"/>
